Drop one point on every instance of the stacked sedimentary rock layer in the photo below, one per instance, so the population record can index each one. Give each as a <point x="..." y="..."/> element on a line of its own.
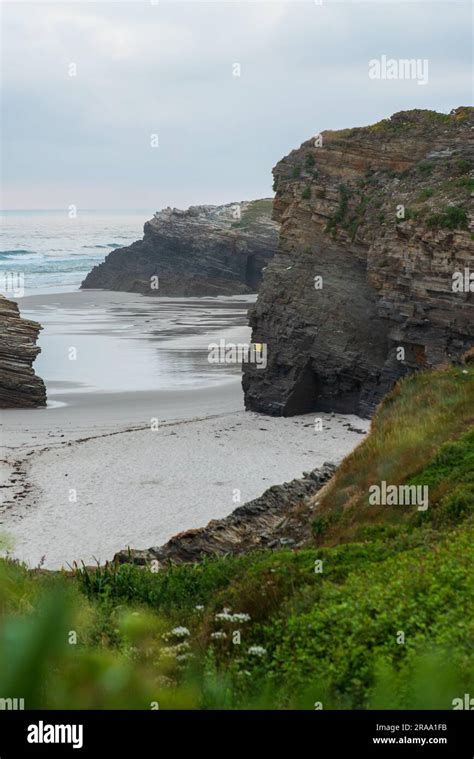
<point x="205" y="250"/>
<point x="20" y="387"/>
<point x="375" y="221"/>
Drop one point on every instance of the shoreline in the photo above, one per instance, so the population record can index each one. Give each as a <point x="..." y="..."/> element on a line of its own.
<point x="103" y="468"/>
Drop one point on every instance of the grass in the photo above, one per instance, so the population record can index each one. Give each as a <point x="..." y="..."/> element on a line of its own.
<point x="423" y="412"/>
<point x="451" y="217"/>
<point x="173" y="592"/>
<point x="428" y="192"/>
<point x="399" y="125"/>
<point x="254" y="211"/>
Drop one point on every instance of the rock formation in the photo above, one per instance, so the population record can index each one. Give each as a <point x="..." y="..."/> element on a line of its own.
<point x="205" y="250"/>
<point x="279" y="517"/>
<point x="375" y="221"/>
<point x="19" y="385"/>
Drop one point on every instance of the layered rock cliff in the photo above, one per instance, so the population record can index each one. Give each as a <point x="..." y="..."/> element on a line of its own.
<point x="20" y="387"/>
<point x="375" y="221"/>
<point x="205" y="250"/>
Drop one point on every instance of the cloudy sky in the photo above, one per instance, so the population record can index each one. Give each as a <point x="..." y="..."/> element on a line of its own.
<point x="147" y="68"/>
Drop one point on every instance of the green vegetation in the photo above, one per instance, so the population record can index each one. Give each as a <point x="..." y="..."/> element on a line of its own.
<point x="452" y="217"/>
<point x="399" y="124"/>
<point x="253" y="212"/>
<point x="434" y="116"/>
<point x="450" y="478"/>
<point x="465" y="182"/>
<point x="423" y="412"/>
<point x="306" y="194"/>
<point x="426" y="168"/>
<point x="410" y="213"/>
<point x="464" y="165"/>
<point x="428" y="192"/>
<point x="350" y="220"/>
<point x="341" y="211"/>
<point x="374" y="613"/>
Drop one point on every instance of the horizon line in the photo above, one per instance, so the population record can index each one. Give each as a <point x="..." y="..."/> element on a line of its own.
<point x="65" y="210"/>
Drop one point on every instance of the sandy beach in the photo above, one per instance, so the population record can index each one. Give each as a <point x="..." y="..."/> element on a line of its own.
<point x="100" y="470"/>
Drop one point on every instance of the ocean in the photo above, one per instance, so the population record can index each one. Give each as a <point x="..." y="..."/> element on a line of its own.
<point x="46" y="251"/>
<point x="122" y="342"/>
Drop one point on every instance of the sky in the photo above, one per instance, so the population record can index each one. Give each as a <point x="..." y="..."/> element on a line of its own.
<point x="147" y="104"/>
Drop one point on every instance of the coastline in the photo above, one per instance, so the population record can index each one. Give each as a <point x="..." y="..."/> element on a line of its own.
<point x="98" y="471"/>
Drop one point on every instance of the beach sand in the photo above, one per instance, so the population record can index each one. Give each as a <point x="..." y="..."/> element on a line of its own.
<point x="100" y="470"/>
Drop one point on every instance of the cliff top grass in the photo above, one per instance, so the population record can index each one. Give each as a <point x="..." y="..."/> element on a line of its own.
<point x="424" y="412"/>
<point x="403" y="120"/>
<point x="254" y="211"/>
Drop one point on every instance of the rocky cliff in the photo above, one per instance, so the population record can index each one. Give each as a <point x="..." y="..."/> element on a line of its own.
<point x="371" y="276"/>
<point x="19" y="385"/>
<point x="205" y="250"/>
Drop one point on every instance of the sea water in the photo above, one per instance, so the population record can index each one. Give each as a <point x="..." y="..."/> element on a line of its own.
<point x="53" y="252"/>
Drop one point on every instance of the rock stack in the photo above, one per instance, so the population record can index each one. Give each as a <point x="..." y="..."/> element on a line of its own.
<point x="20" y="387"/>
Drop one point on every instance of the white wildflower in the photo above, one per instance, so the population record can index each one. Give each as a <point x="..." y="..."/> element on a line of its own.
<point x="180" y="649"/>
<point x="219" y="635"/>
<point x="183" y="646"/>
<point x="257" y="650"/>
<point x="224" y="616"/>
<point x="240" y="617"/>
<point x="180" y="632"/>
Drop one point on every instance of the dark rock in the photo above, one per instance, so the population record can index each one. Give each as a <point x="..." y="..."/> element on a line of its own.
<point x="206" y="250"/>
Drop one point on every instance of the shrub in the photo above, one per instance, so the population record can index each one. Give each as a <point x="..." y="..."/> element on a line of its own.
<point x="463" y="165"/>
<point x="453" y="217"/>
<point x="341" y="211"/>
